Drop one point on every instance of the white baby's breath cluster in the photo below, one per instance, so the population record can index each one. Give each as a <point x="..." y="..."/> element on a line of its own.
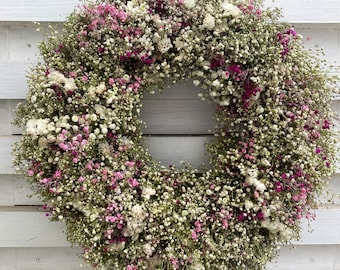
<point x="83" y="152"/>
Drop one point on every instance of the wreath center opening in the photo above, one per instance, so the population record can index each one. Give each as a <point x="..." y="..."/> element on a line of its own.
<point x="178" y="125"/>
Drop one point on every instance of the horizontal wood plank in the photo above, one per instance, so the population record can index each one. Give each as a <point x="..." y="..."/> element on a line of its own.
<point x="302" y="11"/>
<point x="168" y="150"/>
<point x="18" y="52"/>
<point x="318" y="257"/>
<point x="163" y="116"/>
<point x="15" y="191"/>
<point x="39" y="232"/>
<point x="42" y="259"/>
<point x="36" y="10"/>
<point x="308" y="11"/>
<point x="322" y="257"/>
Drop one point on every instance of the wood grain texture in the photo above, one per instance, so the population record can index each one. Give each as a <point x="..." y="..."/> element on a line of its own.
<point x="41" y="259"/>
<point x="162" y="116"/>
<point x="18" y="52"/>
<point x="39" y="232"/>
<point x="15" y="191"/>
<point x="302" y="11"/>
<point x="322" y="257"/>
<point x="36" y="10"/>
<point x="168" y="150"/>
<point x="28" y="228"/>
<point x="308" y="11"/>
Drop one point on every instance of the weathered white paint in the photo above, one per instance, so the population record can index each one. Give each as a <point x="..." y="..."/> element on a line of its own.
<point x="169" y="150"/>
<point x="308" y="11"/>
<point x="302" y="11"/>
<point x="18" y="52"/>
<point x="36" y="10"/>
<point x="41" y="259"/>
<point x="160" y="116"/>
<point x="322" y="257"/>
<point x="13" y="80"/>
<point x="31" y="228"/>
<point x="15" y="191"/>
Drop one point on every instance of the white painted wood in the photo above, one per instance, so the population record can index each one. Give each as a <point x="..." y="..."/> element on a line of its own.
<point x="6" y="143"/>
<point x="36" y="10"/>
<point x="29" y="242"/>
<point x="3" y="43"/>
<point x="7" y="190"/>
<point x="18" y="52"/>
<point x="5" y="117"/>
<point x="168" y="150"/>
<point x="322" y="38"/>
<point x="38" y="231"/>
<point x="321" y="257"/>
<point x="306" y="257"/>
<point x="30" y="228"/>
<point x="13" y="80"/>
<point x="161" y="116"/>
<point x="302" y="11"/>
<point x="178" y="117"/>
<point x="8" y="259"/>
<point x="41" y="259"/>
<point x="308" y="11"/>
<point x="324" y="230"/>
<point x="23" y="39"/>
<point x="15" y="191"/>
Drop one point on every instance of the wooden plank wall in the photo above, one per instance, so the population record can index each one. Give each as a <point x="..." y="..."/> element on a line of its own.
<point x="29" y="241"/>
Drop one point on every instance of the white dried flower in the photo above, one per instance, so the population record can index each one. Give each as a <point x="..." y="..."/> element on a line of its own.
<point x="70" y="84"/>
<point x="248" y="204"/>
<point x="164" y="45"/>
<point x="148" y="249"/>
<point x="56" y="77"/>
<point x="209" y="22"/>
<point x="148" y="192"/>
<point x="189" y="3"/>
<point x="100" y="88"/>
<point x="260" y="186"/>
<point x="100" y="110"/>
<point x="37" y="127"/>
<point x="230" y="9"/>
<point x="179" y="43"/>
<point x="197" y="266"/>
<point x="137" y="212"/>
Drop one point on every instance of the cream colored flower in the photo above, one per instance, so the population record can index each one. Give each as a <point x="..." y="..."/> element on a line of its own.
<point x="189" y="3"/>
<point x="70" y="84"/>
<point x="164" y="45"/>
<point x="37" y="127"/>
<point x="148" y="192"/>
<point x="148" y="249"/>
<point x="209" y="21"/>
<point x="137" y="212"/>
<point x="230" y="9"/>
<point x="260" y="186"/>
<point x="56" y="77"/>
<point x="197" y="266"/>
<point x="248" y="204"/>
<point x="100" y="88"/>
<point x="179" y="43"/>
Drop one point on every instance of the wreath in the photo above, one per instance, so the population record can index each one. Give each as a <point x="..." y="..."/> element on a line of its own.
<point x="82" y="148"/>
